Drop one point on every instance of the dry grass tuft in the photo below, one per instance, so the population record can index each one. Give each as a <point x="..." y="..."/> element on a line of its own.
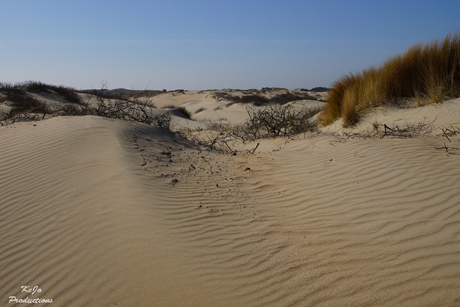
<point x="428" y="73"/>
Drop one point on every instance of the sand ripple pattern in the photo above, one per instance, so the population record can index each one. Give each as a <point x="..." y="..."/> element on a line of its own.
<point x="75" y="223"/>
<point x="317" y="223"/>
<point x="104" y="213"/>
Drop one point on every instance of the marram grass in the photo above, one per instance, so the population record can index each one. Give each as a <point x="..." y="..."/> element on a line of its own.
<point x="429" y="73"/>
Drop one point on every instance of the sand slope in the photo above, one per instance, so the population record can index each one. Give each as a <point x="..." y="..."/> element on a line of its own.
<point x="323" y="223"/>
<point x="102" y="213"/>
<point x="75" y="222"/>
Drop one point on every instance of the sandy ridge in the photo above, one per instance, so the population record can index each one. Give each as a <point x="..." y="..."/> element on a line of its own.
<point x="75" y="224"/>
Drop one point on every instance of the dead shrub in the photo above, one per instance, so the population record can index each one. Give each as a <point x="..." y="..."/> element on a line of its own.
<point x="277" y="120"/>
<point x="133" y="111"/>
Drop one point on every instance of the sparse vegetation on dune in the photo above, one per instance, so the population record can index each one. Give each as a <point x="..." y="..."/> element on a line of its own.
<point x="21" y="105"/>
<point x="428" y="73"/>
<point x="263" y="96"/>
<point x="269" y="113"/>
<point x="124" y="94"/>
<point x="67" y="93"/>
<point x="183" y="112"/>
<point x="131" y="110"/>
<point x="270" y="121"/>
<point x="278" y="120"/>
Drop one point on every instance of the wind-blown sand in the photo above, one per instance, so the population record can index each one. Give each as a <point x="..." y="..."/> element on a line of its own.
<point x="99" y="212"/>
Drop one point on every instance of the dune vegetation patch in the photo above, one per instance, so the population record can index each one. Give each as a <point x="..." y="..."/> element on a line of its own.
<point x="428" y="73"/>
<point x="264" y="96"/>
<point x="68" y="94"/>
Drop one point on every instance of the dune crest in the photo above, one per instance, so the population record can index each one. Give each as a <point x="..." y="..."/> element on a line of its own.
<point x="76" y="224"/>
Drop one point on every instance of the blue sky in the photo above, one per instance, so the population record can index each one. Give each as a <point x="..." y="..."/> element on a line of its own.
<point x="198" y="44"/>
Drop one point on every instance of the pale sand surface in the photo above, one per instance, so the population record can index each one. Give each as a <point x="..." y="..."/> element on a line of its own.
<point x="75" y="221"/>
<point x="100" y="212"/>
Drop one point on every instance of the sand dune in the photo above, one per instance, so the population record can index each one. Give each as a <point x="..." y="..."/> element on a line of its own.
<point x="100" y="212"/>
<point x="76" y="223"/>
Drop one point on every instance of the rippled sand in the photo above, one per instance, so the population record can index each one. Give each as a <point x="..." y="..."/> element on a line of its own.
<point x="99" y="212"/>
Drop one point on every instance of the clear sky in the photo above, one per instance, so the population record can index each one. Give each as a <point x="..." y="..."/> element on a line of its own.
<point x="199" y="44"/>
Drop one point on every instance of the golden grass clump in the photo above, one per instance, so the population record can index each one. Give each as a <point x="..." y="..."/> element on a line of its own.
<point x="429" y="73"/>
